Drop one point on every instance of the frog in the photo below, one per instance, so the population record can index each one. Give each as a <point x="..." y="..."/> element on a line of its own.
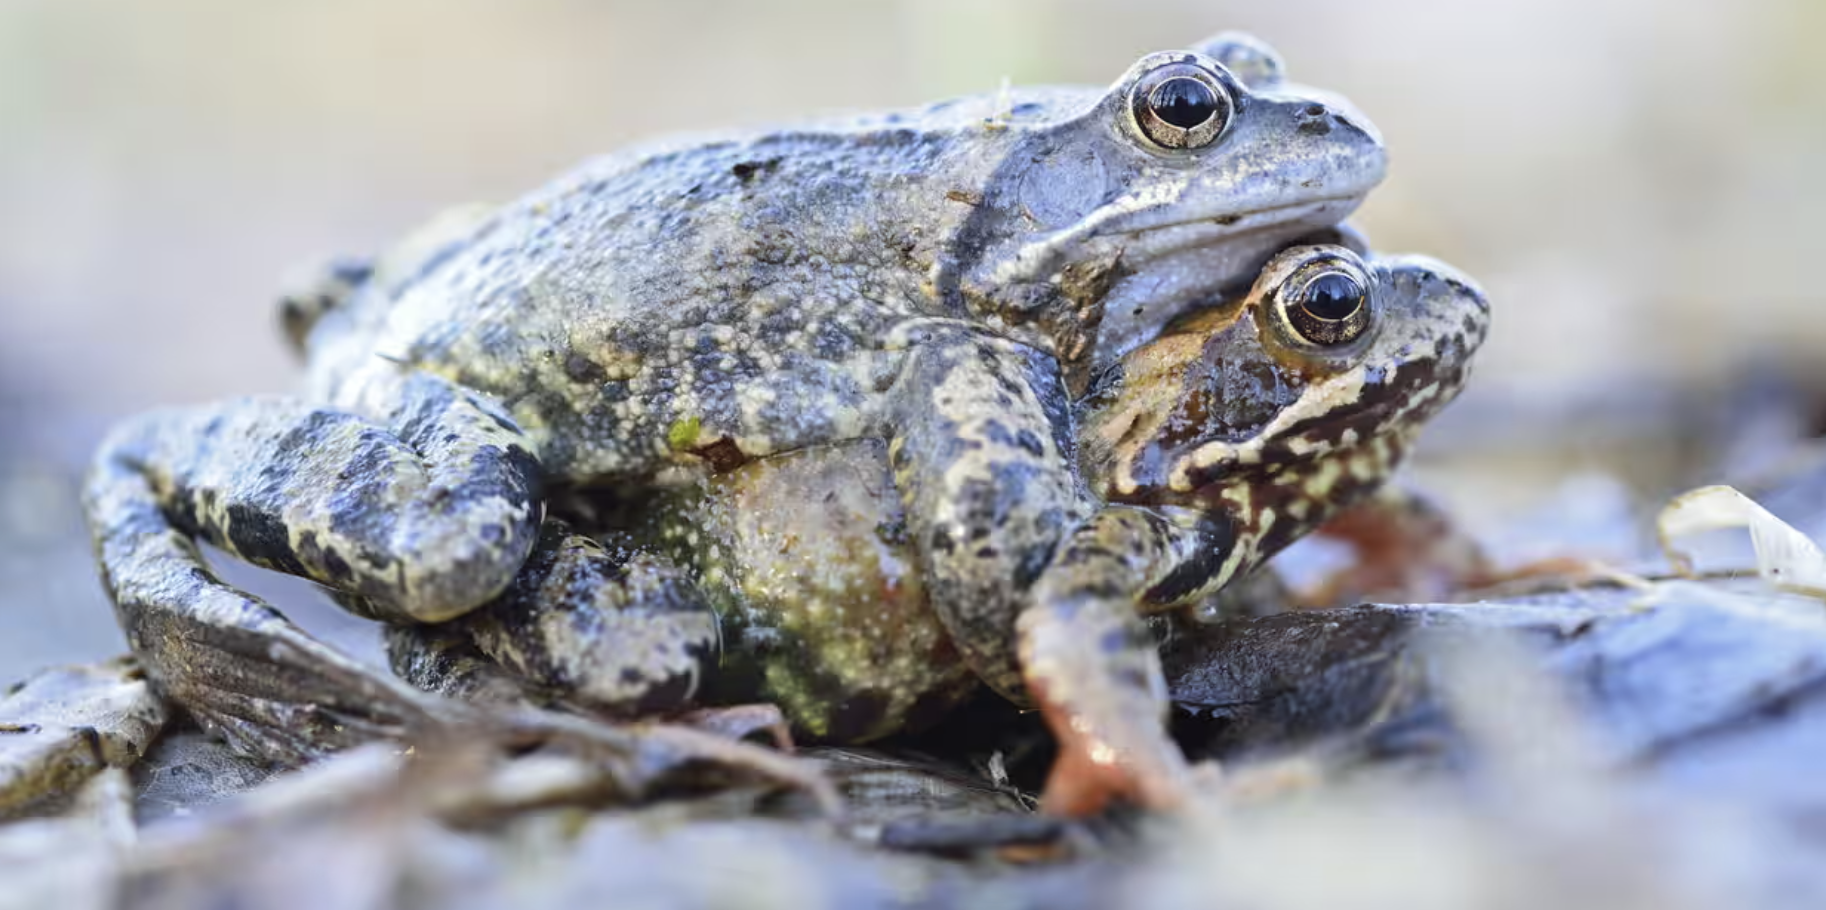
<point x="943" y="279"/>
<point x="1240" y="428"/>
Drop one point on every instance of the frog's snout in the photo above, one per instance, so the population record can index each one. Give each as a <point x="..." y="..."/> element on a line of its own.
<point x="1329" y="113"/>
<point x="1437" y="299"/>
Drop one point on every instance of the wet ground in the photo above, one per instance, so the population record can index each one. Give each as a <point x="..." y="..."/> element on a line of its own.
<point x="1644" y="744"/>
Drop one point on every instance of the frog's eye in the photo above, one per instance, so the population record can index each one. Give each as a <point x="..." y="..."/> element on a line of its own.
<point x="1181" y="106"/>
<point x="1326" y="304"/>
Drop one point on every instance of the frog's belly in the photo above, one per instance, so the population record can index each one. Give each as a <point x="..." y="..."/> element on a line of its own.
<point x="824" y="608"/>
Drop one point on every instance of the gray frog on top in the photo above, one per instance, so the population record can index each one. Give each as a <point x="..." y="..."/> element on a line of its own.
<point x="943" y="279"/>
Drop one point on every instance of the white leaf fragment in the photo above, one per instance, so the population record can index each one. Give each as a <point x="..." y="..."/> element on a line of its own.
<point x="1785" y="557"/>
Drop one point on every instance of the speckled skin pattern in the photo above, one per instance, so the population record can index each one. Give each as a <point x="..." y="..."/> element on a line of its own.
<point x="807" y="554"/>
<point x="823" y="599"/>
<point x="942" y="279"/>
<point x="806" y="558"/>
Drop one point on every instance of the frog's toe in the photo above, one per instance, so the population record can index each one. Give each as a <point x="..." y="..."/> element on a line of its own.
<point x="442" y="659"/>
<point x="1093" y="669"/>
<point x="283" y="732"/>
<point x="272" y="692"/>
<point x="341" y="710"/>
<point x="1097" y="766"/>
<point x="1406" y="550"/>
<point x="617" y="631"/>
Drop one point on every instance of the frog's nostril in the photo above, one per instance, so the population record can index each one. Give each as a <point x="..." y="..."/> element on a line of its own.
<point x="1315" y="110"/>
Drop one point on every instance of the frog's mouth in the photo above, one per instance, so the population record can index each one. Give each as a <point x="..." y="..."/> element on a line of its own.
<point x="1162" y="238"/>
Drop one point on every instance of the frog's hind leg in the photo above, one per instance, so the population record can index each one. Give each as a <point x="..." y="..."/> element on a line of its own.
<point x="425" y="520"/>
<point x="238" y="666"/>
<point x="611" y="629"/>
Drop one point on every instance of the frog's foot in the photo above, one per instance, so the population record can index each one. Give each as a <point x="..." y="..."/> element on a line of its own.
<point x="632" y="757"/>
<point x="315" y="292"/>
<point x="1095" y="675"/>
<point x="1407" y="551"/>
<point x="1094" y="669"/>
<point x="617" y="631"/>
<point x="742" y="722"/>
<point x="442" y="659"/>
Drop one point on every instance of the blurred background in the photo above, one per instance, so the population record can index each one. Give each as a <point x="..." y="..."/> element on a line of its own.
<point x="1636" y="182"/>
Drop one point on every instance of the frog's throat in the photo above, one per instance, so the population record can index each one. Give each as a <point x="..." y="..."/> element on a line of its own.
<point x="1144" y="242"/>
<point x="1309" y="430"/>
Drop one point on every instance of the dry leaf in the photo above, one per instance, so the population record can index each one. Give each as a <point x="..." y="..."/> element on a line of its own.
<point x="1785" y="557"/>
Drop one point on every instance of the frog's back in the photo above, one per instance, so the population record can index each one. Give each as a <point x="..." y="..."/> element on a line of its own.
<point x="709" y="301"/>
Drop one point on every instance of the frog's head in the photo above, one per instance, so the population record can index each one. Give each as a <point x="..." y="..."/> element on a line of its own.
<point x="1272" y="411"/>
<point x="1170" y="187"/>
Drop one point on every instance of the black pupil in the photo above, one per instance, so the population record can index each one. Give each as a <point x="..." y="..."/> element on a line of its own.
<point x="1183" y="102"/>
<point x="1333" y="297"/>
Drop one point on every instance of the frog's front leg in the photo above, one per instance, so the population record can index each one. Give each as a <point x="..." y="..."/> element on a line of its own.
<point x="614" y="629"/>
<point x="1092" y="665"/>
<point x="986" y="479"/>
<point x="423" y="516"/>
